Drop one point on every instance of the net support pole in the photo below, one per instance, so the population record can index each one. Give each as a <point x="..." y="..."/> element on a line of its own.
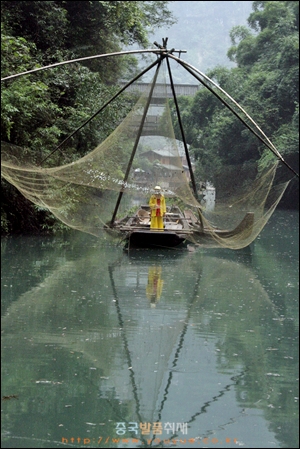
<point x="265" y="140"/>
<point x="184" y="141"/>
<point x="136" y="142"/>
<point x="101" y="109"/>
<point x="87" y="58"/>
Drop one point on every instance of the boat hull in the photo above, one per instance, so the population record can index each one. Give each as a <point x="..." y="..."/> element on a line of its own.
<point x="153" y="239"/>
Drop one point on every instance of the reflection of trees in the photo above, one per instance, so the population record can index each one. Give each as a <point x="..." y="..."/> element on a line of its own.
<point x="241" y="325"/>
<point x="55" y="399"/>
<point x="67" y="317"/>
<point x="255" y="335"/>
<point x="65" y="326"/>
<point x="27" y="266"/>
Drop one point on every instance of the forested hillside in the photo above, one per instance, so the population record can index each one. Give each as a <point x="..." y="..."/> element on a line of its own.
<point x="40" y="110"/>
<point x="265" y="82"/>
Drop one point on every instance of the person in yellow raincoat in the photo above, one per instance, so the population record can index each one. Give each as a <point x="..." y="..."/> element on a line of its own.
<point x="158" y="209"/>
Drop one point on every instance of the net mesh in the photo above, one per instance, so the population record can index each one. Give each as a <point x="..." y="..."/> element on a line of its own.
<point x="141" y="153"/>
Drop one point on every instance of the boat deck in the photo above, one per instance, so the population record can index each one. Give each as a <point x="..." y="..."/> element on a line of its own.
<point x="178" y="227"/>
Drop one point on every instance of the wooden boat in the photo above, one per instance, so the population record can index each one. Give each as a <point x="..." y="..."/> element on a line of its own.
<point x="179" y="227"/>
<point x="137" y="232"/>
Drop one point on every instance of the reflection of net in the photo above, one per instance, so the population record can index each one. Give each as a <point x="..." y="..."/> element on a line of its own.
<point x="83" y="194"/>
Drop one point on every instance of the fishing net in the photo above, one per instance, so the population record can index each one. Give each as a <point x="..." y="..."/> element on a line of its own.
<point x="229" y="207"/>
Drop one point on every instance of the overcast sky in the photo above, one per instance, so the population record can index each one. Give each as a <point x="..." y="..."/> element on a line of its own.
<point x="202" y="30"/>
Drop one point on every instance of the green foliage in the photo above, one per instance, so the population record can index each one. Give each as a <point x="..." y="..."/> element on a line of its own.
<point x="41" y="110"/>
<point x="42" y="22"/>
<point x="16" y="53"/>
<point x="81" y="29"/>
<point x="18" y="215"/>
<point x="266" y="84"/>
<point x="26" y="109"/>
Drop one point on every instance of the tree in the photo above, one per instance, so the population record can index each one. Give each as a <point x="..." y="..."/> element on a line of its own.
<point x="265" y="82"/>
<point x="39" y="111"/>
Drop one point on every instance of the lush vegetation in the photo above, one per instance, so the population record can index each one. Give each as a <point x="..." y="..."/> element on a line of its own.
<point x="265" y="81"/>
<point x="39" y="111"/>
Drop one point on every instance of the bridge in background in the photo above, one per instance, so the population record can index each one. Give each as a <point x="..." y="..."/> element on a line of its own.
<point x="180" y="89"/>
<point x="158" y="100"/>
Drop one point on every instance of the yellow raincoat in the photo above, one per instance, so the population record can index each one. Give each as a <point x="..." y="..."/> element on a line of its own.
<point x="158" y="208"/>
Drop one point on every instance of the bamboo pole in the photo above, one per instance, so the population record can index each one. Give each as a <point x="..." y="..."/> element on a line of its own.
<point x="184" y="142"/>
<point x="136" y="141"/>
<point x="100" y="110"/>
<point x="266" y="141"/>
<point x="87" y="58"/>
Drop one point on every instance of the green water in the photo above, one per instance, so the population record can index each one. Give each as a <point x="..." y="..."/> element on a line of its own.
<point x="101" y="348"/>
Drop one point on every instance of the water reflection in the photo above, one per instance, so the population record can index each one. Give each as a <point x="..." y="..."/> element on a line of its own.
<point x="86" y="352"/>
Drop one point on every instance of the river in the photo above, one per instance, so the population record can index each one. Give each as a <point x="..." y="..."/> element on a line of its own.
<point x="181" y="348"/>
